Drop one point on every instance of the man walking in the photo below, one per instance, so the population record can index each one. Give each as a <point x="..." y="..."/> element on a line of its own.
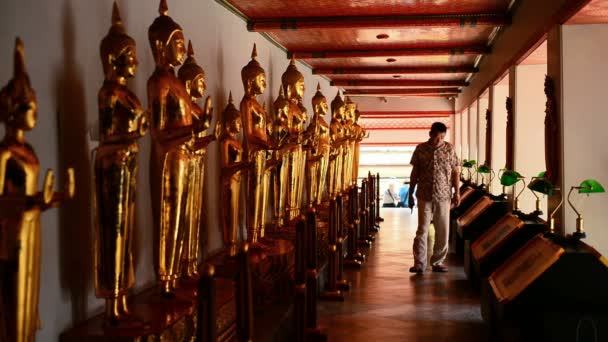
<point x="435" y="171"/>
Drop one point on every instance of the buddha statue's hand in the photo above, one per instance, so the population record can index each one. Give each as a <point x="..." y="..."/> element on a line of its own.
<point x="144" y="123"/>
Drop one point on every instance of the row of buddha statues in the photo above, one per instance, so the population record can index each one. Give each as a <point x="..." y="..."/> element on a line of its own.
<point x="280" y="156"/>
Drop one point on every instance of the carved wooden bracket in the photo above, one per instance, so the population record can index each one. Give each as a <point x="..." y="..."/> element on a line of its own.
<point x="551" y="133"/>
<point x="510" y="135"/>
<point x="488" y="160"/>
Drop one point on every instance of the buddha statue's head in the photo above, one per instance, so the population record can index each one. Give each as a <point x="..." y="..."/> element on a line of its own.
<point x="281" y="108"/>
<point x="337" y="107"/>
<point x="253" y="75"/>
<point x="18" y="105"/>
<point x="192" y="75"/>
<point x="319" y="102"/>
<point x="117" y="50"/>
<point x="293" y="81"/>
<point x="350" y="109"/>
<point x="166" y="39"/>
<point x="231" y="118"/>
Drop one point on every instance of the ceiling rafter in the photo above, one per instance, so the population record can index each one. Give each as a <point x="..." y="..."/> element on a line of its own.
<point x="401" y="52"/>
<point x="403" y="91"/>
<point x="377" y="22"/>
<point x="395" y="70"/>
<point x="399" y="83"/>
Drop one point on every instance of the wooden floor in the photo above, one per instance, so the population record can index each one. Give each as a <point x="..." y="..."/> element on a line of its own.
<point x="387" y="303"/>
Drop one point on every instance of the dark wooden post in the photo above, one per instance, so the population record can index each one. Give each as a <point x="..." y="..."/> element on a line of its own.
<point x="244" y="297"/>
<point x="331" y="288"/>
<point x="378" y="218"/>
<point x="300" y="281"/>
<point x="205" y="318"/>
<point x="364" y="228"/>
<point x="342" y="283"/>
<point x="351" y="260"/>
<point x="312" y="275"/>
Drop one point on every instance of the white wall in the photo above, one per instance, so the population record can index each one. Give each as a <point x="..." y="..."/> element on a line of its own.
<point x="458" y="134"/>
<point x="62" y="40"/>
<point x="584" y="125"/>
<point x="473" y="131"/>
<point x="464" y="129"/>
<point x="529" y="112"/>
<point x="499" y="132"/>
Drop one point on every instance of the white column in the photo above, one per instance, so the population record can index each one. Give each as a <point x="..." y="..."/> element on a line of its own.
<point x="464" y="129"/>
<point x="499" y="127"/>
<point x="473" y="131"/>
<point x="584" y="122"/>
<point x="529" y="115"/>
<point x="458" y="134"/>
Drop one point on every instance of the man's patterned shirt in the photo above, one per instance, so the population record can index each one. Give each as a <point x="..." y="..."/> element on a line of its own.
<point x="433" y="166"/>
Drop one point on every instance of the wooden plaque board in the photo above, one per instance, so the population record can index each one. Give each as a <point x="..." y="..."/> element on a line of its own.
<point x="474" y="212"/>
<point x="526" y="265"/>
<point x="496" y="236"/>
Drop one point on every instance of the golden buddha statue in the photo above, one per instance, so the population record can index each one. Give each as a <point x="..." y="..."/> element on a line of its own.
<point x="255" y="144"/>
<point x="317" y="137"/>
<point x="281" y="137"/>
<point x="193" y="77"/>
<point x="293" y="83"/>
<point x="231" y="169"/>
<point x="349" y="143"/>
<point x="336" y="133"/>
<point x="122" y="121"/>
<point x="20" y="207"/>
<point x="360" y="134"/>
<point x="173" y="144"/>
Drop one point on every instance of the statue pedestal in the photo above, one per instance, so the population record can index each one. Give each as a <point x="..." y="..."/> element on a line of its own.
<point x="163" y="319"/>
<point x="272" y="266"/>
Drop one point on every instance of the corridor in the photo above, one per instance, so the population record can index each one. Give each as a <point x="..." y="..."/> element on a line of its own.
<point x="387" y="303"/>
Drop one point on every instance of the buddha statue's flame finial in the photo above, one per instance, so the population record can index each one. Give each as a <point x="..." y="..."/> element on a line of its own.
<point x="116" y="19"/>
<point x="190" y="49"/>
<point x="230" y="100"/>
<point x="318" y="86"/>
<point x="19" y="66"/>
<point x="254" y="52"/>
<point x="293" y="59"/>
<point x="163" y="9"/>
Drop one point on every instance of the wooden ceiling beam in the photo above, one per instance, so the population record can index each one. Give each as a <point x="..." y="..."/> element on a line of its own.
<point x="404" y="52"/>
<point x="404" y="91"/>
<point x="395" y="70"/>
<point x="399" y="83"/>
<point x="377" y="22"/>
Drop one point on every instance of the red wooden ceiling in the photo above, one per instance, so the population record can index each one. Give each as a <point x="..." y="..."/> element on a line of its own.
<point x="596" y="12"/>
<point x="409" y="24"/>
<point x="406" y="61"/>
<point x="256" y="9"/>
<point x="344" y="39"/>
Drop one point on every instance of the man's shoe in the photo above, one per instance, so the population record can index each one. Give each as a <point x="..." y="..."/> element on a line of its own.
<point x="440" y="268"/>
<point x="416" y="269"/>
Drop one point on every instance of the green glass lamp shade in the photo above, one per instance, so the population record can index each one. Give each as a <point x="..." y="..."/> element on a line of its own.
<point x="483" y="169"/>
<point x="541" y="185"/>
<point x="468" y="163"/>
<point x="590" y="186"/>
<point x="510" y="177"/>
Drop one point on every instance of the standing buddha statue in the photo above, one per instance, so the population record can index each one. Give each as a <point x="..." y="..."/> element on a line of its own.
<point x="293" y="83"/>
<point x="20" y="207"/>
<point x="173" y="143"/>
<point x="281" y="137"/>
<point x="122" y="121"/>
<point x="231" y="169"/>
<point x="317" y="135"/>
<point x="349" y="143"/>
<point x="336" y="133"/>
<point x="359" y="136"/>
<point x="255" y="144"/>
<point x="193" y="77"/>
